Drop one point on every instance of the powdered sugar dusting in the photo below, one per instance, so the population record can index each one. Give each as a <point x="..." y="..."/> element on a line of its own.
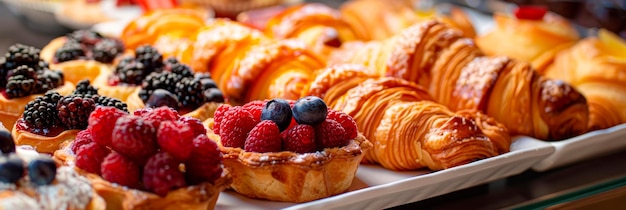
<point x="70" y="191"/>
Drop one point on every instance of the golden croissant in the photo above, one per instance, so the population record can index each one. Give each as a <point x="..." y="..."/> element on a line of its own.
<point x="408" y="130"/>
<point x="457" y="74"/>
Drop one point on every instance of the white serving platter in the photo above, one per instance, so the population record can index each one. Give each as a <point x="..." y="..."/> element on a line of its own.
<point x="376" y="188"/>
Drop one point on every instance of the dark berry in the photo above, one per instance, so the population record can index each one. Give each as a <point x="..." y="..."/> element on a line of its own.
<point x="11" y="168"/>
<point x="7" y="145"/>
<point x="207" y="83"/>
<point x="190" y="93"/>
<point x="279" y="111"/>
<point x="48" y="80"/>
<point x="134" y="138"/>
<point x="24" y="70"/>
<point x="181" y="70"/>
<point x="310" y="110"/>
<point x="18" y="55"/>
<point x="162" y="97"/>
<point x="118" y="169"/>
<point x="213" y="95"/>
<point x="150" y="57"/>
<point x="42" y="171"/>
<point x="157" y="80"/>
<point x="20" y="86"/>
<point x="42" y="112"/>
<point x="106" y="50"/>
<point x="108" y="101"/>
<point x="70" y="50"/>
<point x="74" y="110"/>
<point x="131" y="73"/>
<point x="161" y="174"/>
<point x="85" y="88"/>
<point x="86" y="37"/>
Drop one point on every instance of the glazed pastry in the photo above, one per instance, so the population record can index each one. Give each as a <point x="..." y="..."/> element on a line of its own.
<point x="457" y="75"/>
<point x="533" y="39"/>
<point x="278" y="154"/>
<point x="153" y="159"/>
<point x="595" y="66"/>
<point x="23" y="77"/>
<point x="51" y="121"/>
<point x="407" y="128"/>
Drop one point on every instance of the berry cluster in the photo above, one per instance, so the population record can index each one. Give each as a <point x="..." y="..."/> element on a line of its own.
<point x="131" y="70"/>
<point x="87" y="44"/>
<point x="71" y="111"/>
<point x="22" y="73"/>
<point x="152" y="149"/>
<point x="40" y="170"/>
<point x="302" y="126"/>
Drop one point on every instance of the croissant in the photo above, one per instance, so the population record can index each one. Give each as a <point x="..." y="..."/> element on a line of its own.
<point x="535" y="41"/>
<point x="456" y="74"/>
<point x="596" y="66"/>
<point x="408" y="130"/>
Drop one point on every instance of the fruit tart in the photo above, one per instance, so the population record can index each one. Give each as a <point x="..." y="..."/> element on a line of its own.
<point x="52" y="120"/>
<point x="82" y="54"/>
<point x="30" y="180"/>
<point x="151" y="159"/>
<point x="24" y="76"/>
<point x="291" y="151"/>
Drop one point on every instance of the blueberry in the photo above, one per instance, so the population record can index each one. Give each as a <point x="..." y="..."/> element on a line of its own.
<point x="42" y="171"/>
<point x="7" y="145"/>
<point x="213" y="95"/>
<point x="279" y="111"/>
<point x="310" y="110"/>
<point x="207" y="83"/>
<point x="161" y="97"/>
<point x="11" y="168"/>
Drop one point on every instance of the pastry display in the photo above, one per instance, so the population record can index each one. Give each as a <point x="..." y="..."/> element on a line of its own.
<point x="151" y="159"/>
<point x="595" y="66"/>
<point x="30" y="180"/>
<point x="51" y="121"/>
<point x="541" y="34"/>
<point x="457" y="74"/>
<point x="23" y="77"/>
<point x="291" y="151"/>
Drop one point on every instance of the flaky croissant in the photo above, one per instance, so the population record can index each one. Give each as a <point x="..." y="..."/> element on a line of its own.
<point x="408" y="130"/>
<point x="457" y="75"/>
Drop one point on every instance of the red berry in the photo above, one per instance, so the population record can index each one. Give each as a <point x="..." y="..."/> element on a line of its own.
<point x="120" y="170"/>
<point x="160" y="114"/>
<point x="82" y="138"/>
<point x="346" y="121"/>
<point x="264" y="137"/>
<point x="195" y="124"/>
<point x="175" y="138"/>
<point x="236" y="124"/>
<point x="530" y="12"/>
<point x="101" y="123"/>
<point x="218" y="115"/>
<point x="292" y="124"/>
<point x="329" y="134"/>
<point x="90" y="156"/>
<point x="142" y="112"/>
<point x="205" y="162"/>
<point x="162" y="174"/>
<point x="134" y="137"/>
<point x="255" y="108"/>
<point x="299" y="139"/>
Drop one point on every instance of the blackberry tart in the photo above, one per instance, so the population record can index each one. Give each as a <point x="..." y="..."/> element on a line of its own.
<point x="23" y="77"/>
<point x="52" y="120"/>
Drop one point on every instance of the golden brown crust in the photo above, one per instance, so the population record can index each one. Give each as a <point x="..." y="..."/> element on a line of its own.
<point x="43" y="144"/>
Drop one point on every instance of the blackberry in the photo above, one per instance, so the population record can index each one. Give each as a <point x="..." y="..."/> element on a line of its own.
<point x="189" y="93"/>
<point x="18" y="55"/>
<point x="74" y="110"/>
<point x="23" y="70"/>
<point x="71" y="50"/>
<point x="83" y="87"/>
<point x="20" y="86"/>
<point x="162" y="80"/>
<point x="42" y="112"/>
<point x="213" y="95"/>
<point x="106" y="50"/>
<point x="149" y="57"/>
<point x="48" y="80"/>
<point x="108" y="101"/>
<point x="86" y="37"/>
<point x="131" y="72"/>
<point x="173" y="65"/>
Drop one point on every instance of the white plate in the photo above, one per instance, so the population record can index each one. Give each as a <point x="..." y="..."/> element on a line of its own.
<point x="377" y="188"/>
<point x="586" y="146"/>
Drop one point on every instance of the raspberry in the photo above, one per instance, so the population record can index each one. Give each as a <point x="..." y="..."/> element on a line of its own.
<point x="101" y="124"/>
<point x="235" y="126"/>
<point x="195" y="124"/>
<point x="204" y="164"/>
<point x="218" y="115"/>
<point x="90" y="156"/>
<point x="117" y="168"/>
<point x="160" y="114"/>
<point x="134" y="138"/>
<point x="329" y="134"/>
<point x="264" y="137"/>
<point x="162" y="174"/>
<point x="82" y="138"/>
<point x="255" y="108"/>
<point x="346" y="122"/>
<point x="292" y="124"/>
<point x="299" y="139"/>
<point x="176" y="138"/>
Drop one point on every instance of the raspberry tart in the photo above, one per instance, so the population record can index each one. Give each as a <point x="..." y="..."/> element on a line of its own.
<point x="151" y="159"/>
<point x="30" y="180"/>
<point x="52" y="120"/>
<point x="23" y="77"/>
<point x="291" y="151"/>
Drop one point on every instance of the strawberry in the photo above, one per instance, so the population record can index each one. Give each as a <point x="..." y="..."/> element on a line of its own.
<point x="264" y="137"/>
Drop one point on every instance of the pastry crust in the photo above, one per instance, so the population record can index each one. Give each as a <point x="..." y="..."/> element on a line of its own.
<point x="12" y="109"/>
<point x="43" y="144"/>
